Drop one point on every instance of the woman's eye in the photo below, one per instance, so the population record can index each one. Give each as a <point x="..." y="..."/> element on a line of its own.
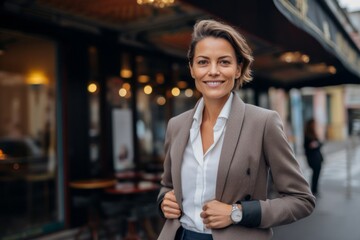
<point x="224" y="62"/>
<point x="202" y="62"/>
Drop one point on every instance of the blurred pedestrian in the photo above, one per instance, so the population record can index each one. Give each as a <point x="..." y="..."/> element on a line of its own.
<point x="220" y="153"/>
<point x="312" y="146"/>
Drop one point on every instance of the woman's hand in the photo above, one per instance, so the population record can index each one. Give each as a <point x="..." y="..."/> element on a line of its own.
<point x="314" y="144"/>
<point x="170" y="207"/>
<point x="216" y="214"/>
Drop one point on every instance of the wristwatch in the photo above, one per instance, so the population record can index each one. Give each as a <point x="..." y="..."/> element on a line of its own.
<point x="236" y="214"/>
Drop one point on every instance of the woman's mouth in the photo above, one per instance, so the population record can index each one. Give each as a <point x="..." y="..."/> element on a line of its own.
<point x="213" y="83"/>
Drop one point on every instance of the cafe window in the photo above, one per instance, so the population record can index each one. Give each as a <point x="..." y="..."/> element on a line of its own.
<point x="119" y="97"/>
<point x="30" y="180"/>
<point x="93" y="89"/>
<point x="152" y="79"/>
<point x="147" y="88"/>
<point x="164" y="91"/>
<point x="183" y="90"/>
<point x="146" y="93"/>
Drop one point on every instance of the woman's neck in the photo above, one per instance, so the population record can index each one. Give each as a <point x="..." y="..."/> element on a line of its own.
<point x="212" y="109"/>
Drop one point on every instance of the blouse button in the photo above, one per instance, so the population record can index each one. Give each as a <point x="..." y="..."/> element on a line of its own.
<point x="248" y="197"/>
<point x="248" y="171"/>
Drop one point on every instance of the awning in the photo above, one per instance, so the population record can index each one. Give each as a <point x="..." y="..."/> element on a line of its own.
<point x="316" y="18"/>
<point x="293" y="26"/>
<point x="308" y="30"/>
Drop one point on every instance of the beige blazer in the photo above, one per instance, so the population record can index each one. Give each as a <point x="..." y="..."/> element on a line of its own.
<point x="254" y="143"/>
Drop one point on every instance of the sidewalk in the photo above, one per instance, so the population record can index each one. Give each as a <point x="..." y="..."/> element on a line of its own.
<point x="337" y="212"/>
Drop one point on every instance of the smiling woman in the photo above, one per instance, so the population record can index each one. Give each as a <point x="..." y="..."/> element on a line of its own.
<point x="214" y="68"/>
<point x="214" y="186"/>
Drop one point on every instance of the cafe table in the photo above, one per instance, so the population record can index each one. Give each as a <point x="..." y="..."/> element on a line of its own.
<point x="133" y="175"/>
<point x="94" y="187"/>
<point x="128" y="175"/>
<point x="137" y="193"/>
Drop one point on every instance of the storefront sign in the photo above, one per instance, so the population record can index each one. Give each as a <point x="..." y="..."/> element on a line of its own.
<point x="122" y="139"/>
<point x="352" y="96"/>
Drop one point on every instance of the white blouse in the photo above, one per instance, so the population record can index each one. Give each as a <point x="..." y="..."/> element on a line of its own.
<point x="199" y="171"/>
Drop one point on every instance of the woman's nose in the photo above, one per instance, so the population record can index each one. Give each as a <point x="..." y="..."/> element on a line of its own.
<point x="214" y="70"/>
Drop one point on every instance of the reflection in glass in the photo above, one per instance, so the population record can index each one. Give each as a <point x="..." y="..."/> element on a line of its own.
<point x="30" y="198"/>
<point x="119" y="100"/>
<point x="143" y="125"/>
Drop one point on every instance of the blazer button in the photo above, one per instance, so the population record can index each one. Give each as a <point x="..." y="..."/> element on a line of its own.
<point x="248" y="171"/>
<point x="247" y="197"/>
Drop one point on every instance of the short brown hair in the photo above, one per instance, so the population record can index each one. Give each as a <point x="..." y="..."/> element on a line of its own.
<point x="216" y="29"/>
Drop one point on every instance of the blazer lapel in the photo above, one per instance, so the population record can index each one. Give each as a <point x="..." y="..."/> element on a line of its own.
<point x="178" y="150"/>
<point x="231" y="138"/>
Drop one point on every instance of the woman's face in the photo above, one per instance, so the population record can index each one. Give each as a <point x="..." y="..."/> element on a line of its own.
<point x="214" y="68"/>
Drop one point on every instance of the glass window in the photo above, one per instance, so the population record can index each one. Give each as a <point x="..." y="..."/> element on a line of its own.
<point x="94" y="112"/>
<point x="167" y="91"/>
<point x="146" y="90"/>
<point x="182" y="91"/>
<point x="31" y="196"/>
<point x="119" y="96"/>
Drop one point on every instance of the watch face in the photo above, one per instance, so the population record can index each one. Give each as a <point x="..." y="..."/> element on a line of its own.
<point x="236" y="216"/>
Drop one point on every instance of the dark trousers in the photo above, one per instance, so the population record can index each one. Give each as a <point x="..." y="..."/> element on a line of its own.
<point x="316" y="167"/>
<point x="183" y="234"/>
<point x="315" y="162"/>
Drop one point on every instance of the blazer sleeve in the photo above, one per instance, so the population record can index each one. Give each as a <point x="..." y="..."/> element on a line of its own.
<point x="295" y="199"/>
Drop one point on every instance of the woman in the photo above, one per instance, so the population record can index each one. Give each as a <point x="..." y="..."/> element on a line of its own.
<point x="218" y="155"/>
<point x="312" y="146"/>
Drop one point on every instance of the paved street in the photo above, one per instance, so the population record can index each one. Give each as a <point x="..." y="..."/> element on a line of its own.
<point x="337" y="213"/>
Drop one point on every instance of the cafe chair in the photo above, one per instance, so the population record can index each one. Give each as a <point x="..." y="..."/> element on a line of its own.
<point x="94" y="188"/>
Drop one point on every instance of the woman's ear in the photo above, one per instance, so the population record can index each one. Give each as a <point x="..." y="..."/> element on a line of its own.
<point x="238" y="70"/>
<point x="191" y="71"/>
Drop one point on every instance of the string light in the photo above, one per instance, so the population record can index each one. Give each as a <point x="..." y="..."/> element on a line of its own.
<point x="156" y="3"/>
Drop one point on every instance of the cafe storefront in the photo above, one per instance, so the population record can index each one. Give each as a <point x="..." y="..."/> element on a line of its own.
<point x="87" y="89"/>
<point x="31" y="165"/>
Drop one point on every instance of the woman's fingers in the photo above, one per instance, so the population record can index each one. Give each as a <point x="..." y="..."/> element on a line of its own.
<point x="169" y="206"/>
<point x="216" y="214"/>
<point x="171" y="212"/>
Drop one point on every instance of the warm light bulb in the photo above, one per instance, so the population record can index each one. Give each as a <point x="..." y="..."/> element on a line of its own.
<point x="37" y="78"/>
<point x="92" y="87"/>
<point x="2" y="155"/>
<point x="127" y="86"/>
<point x="305" y="58"/>
<point x="332" y="69"/>
<point x="160" y="79"/>
<point x="161" y="100"/>
<point x="126" y="73"/>
<point x="189" y="92"/>
<point x="175" y="91"/>
<point x="182" y="84"/>
<point x="143" y="78"/>
<point x="122" y="92"/>
<point x="157" y="3"/>
<point x="148" y="89"/>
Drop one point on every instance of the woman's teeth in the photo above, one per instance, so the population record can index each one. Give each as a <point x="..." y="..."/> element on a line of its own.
<point x="213" y="84"/>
